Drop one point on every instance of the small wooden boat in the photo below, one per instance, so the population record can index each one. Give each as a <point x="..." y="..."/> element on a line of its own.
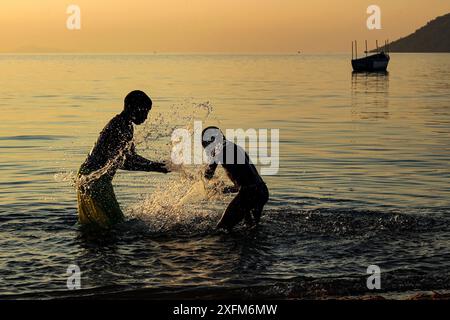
<point x="374" y="63"/>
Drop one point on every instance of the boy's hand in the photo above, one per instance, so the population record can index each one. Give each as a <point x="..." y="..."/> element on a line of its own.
<point x="220" y="186"/>
<point x="230" y="189"/>
<point x="161" y="167"/>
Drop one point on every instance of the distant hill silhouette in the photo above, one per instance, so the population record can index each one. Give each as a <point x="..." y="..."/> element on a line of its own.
<point x="433" y="37"/>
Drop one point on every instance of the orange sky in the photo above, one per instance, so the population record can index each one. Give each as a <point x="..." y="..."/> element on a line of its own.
<point x="112" y="26"/>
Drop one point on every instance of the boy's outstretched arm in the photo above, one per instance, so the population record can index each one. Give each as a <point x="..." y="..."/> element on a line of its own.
<point x="135" y="162"/>
<point x="138" y="163"/>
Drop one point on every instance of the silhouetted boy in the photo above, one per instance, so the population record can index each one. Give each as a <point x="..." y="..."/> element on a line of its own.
<point x="252" y="192"/>
<point x="114" y="149"/>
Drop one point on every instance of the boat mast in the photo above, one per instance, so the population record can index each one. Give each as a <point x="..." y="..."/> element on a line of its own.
<point x="366" y="48"/>
<point x="352" y="49"/>
<point x="356" y="49"/>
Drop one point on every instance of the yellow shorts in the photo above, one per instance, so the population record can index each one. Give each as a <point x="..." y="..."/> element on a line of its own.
<point x="97" y="204"/>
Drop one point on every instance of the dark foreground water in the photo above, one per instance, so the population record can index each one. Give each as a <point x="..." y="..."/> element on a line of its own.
<point x="364" y="177"/>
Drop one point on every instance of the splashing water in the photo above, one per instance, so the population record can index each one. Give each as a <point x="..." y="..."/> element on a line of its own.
<point x="180" y="204"/>
<point x="154" y="137"/>
<point x="67" y="177"/>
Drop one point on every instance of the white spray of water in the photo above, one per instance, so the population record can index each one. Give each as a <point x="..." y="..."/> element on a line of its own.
<point x="181" y="204"/>
<point x="68" y="177"/>
<point x="182" y="200"/>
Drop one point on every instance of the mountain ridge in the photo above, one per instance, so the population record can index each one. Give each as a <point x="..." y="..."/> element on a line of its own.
<point x="432" y="37"/>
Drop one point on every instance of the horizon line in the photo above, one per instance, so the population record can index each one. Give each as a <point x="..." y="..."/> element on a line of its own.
<point x="191" y="53"/>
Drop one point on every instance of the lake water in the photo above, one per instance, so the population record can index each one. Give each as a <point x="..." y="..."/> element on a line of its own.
<point x="364" y="176"/>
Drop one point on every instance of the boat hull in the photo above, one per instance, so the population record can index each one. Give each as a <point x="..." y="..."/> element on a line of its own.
<point x="375" y="63"/>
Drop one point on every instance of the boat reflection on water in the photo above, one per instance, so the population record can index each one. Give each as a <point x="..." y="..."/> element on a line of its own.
<point x="370" y="95"/>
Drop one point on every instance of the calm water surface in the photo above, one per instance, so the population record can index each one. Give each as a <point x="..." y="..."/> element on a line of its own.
<point x="364" y="175"/>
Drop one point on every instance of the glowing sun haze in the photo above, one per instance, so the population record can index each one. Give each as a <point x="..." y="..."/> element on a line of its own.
<point x="206" y="25"/>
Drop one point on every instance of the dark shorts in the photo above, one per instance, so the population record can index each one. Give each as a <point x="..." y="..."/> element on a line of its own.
<point x="254" y="195"/>
<point x="248" y="204"/>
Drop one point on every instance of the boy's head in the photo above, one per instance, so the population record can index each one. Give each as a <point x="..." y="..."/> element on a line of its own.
<point x="211" y="135"/>
<point x="137" y="106"/>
